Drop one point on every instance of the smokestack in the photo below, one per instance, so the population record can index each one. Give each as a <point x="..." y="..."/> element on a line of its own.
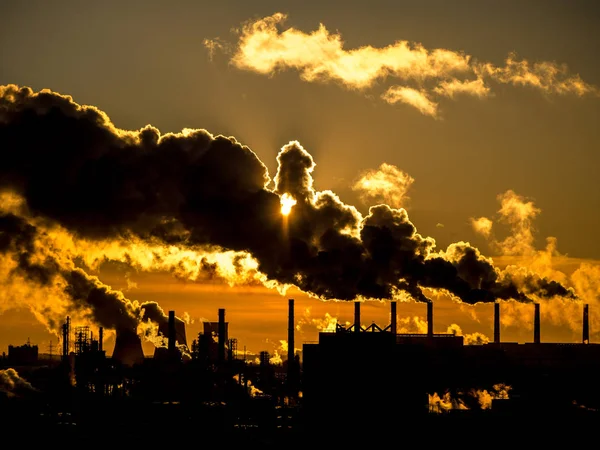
<point x="356" y="317"/>
<point x="497" y="322"/>
<point x="100" y="338"/>
<point x="586" y="324"/>
<point x="65" y="335"/>
<point x="393" y="318"/>
<point x="536" y="324"/>
<point x="221" y="333"/>
<point x="172" y="335"/>
<point x="291" y="352"/>
<point x="430" y="318"/>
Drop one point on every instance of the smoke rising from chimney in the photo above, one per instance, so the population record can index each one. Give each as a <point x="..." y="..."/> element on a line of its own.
<point x="74" y="169"/>
<point x="29" y="256"/>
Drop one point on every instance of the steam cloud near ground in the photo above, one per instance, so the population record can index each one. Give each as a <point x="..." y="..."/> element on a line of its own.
<point x="77" y="191"/>
<point x="13" y="385"/>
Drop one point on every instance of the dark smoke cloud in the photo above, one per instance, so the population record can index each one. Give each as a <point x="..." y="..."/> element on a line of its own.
<point x="40" y="264"/>
<point x="72" y="165"/>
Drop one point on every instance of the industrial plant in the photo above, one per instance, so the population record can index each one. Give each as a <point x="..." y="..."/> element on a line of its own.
<point x="356" y="382"/>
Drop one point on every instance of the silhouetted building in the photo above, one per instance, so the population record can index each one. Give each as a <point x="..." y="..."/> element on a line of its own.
<point x="377" y="377"/>
<point x="22" y="354"/>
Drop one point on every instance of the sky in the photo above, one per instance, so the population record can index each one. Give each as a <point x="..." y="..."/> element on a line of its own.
<point x="435" y="151"/>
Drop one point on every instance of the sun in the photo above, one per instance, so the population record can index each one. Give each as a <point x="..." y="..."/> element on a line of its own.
<point x="287" y="202"/>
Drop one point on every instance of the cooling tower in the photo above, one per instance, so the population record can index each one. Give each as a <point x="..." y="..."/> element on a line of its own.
<point x="128" y="348"/>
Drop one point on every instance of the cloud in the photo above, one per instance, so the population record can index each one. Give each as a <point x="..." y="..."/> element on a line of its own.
<point x="388" y="184"/>
<point x="265" y="46"/>
<point x="518" y="213"/>
<point x="320" y="55"/>
<point x="455" y="87"/>
<point x="413" y="97"/>
<point x="482" y="225"/>
<point x="213" y="46"/>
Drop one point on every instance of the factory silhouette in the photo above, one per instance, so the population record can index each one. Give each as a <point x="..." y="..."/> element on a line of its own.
<point x="356" y="383"/>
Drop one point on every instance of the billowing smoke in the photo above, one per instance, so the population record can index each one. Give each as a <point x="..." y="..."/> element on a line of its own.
<point x="13" y="385"/>
<point x="527" y="265"/>
<point x="468" y="338"/>
<point x="470" y="399"/>
<point x="328" y="323"/>
<point x="197" y="192"/>
<point x="518" y="213"/>
<point x="30" y="257"/>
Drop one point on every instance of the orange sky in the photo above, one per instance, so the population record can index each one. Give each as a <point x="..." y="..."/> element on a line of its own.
<point x="455" y="112"/>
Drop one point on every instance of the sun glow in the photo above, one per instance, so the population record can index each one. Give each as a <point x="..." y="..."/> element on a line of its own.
<point x="287" y="202"/>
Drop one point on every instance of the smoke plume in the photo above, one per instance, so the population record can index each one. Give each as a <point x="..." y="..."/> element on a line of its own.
<point x="181" y="196"/>
<point x="12" y="385"/>
<point x="528" y="265"/>
<point x="37" y="273"/>
<point x="470" y="399"/>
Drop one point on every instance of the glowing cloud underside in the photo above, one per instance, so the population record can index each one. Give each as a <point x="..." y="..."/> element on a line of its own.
<point x="425" y="75"/>
<point x="77" y="191"/>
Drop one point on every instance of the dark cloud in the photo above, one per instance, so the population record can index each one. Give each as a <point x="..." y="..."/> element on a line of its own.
<point x="192" y="188"/>
<point x="40" y="264"/>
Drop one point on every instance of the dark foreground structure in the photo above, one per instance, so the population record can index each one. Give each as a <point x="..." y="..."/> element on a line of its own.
<point x="357" y="385"/>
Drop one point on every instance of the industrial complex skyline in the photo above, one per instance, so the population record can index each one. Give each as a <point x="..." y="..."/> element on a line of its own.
<point x="168" y="164"/>
<point x="351" y="374"/>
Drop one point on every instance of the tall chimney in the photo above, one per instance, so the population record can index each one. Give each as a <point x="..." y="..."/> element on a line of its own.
<point x="536" y="324"/>
<point x="100" y="338"/>
<point x="356" y="317"/>
<point x="586" y="324"/>
<point x="393" y="318"/>
<point x="430" y="318"/>
<point x="172" y="337"/>
<point x="497" y="322"/>
<point x="221" y="343"/>
<point x="66" y="331"/>
<point x="291" y="352"/>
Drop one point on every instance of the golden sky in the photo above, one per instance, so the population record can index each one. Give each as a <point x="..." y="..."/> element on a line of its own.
<point x="478" y="119"/>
